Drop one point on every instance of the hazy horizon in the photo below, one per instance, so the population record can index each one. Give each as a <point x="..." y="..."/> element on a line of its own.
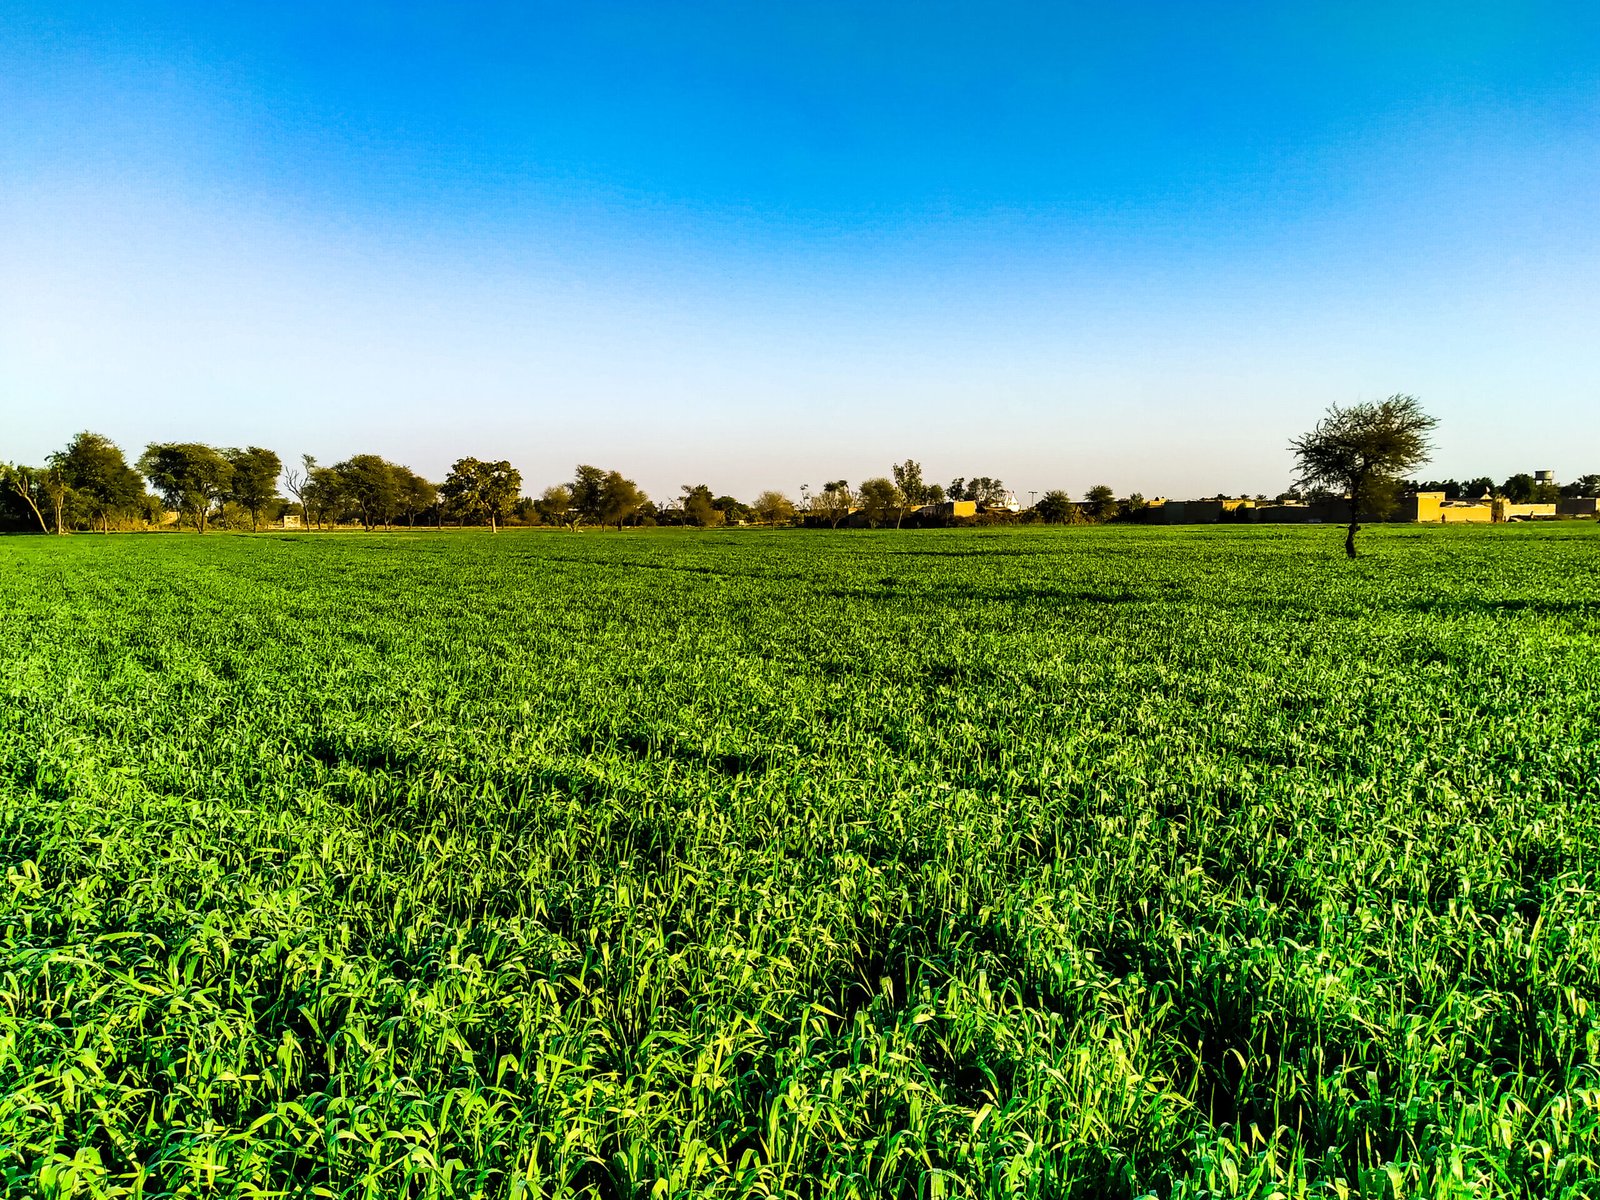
<point x="765" y="248"/>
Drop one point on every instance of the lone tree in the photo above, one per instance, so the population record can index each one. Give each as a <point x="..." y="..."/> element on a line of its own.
<point x="1365" y="450"/>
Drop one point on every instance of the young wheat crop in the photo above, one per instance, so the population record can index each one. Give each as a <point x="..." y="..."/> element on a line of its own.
<point x="1105" y="862"/>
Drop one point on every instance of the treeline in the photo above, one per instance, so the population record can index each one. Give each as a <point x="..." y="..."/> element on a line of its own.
<point x="89" y="484"/>
<point x="1521" y="488"/>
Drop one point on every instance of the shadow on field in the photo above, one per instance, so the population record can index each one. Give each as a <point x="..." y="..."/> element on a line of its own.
<point x="1451" y="606"/>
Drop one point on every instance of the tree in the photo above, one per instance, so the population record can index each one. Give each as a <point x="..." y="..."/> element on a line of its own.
<point x="1056" y="507"/>
<point x="296" y="481"/>
<point x="486" y="490"/>
<point x="880" y="499"/>
<point x="190" y="476"/>
<point x="700" y="506"/>
<point x="57" y="494"/>
<point x="1518" y="489"/>
<point x="369" y="485"/>
<point x="93" y="469"/>
<point x="980" y="488"/>
<point x="908" y="482"/>
<point x="588" y="494"/>
<point x="255" y="480"/>
<point x="1100" y="503"/>
<point x="22" y="482"/>
<point x="414" y="495"/>
<point x="554" y="506"/>
<point x="1365" y="449"/>
<point x="323" y="492"/>
<point x="833" y="502"/>
<point x="773" y="506"/>
<point x="620" y="498"/>
<point x="1583" y="485"/>
<point x="734" y="512"/>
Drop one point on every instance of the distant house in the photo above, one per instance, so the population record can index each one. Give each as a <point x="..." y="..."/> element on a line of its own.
<point x="1433" y="508"/>
<point x="1578" y="506"/>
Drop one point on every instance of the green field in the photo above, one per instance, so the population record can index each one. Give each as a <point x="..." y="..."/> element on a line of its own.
<point x="1084" y="862"/>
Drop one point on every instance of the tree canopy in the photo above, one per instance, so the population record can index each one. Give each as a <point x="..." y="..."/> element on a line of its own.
<point x="1365" y="450"/>
<point x="254" y="485"/>
<point x="478" y="490"/>
<point x="190" y="476"/>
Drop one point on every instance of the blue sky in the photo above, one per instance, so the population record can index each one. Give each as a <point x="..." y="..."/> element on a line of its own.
<point x="761" y="245"/>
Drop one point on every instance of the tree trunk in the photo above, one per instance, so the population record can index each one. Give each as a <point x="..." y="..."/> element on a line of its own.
<point x="43" y="527"/>
<point x="1350" y="539"/>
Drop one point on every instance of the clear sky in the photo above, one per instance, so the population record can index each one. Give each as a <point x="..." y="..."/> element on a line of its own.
<point x="761" y="244"/>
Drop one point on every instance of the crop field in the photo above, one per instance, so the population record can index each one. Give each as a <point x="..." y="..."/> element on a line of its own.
<point x="1063" y="863"/>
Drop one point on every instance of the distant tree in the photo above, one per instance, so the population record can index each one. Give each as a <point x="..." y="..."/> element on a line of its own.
<point x="1365" y="449"/>
<point x="1136" y="503"/>
<point x="909" y="483"/>
<point x="881" y="500"/>
<point x="1583" y="485"/>
<point x="190" y="476"/>
<point x="1450" y="488"/>
<point x="1056" y="507"/>
<point x="99" y="478"/>
<point x="588" y="495"/>
<point x="482" y="490"/>
<point x="1518" y="489"/>
<point x="369" y="486"/>
<point x="700" y="506"/>
<point x="295" y="481"/>
<point x="1477" y="489"/>
<point x="620" y="498"/>
<point x="23" y="483"/>
<point x="324" y="494"/>
<point x="982" y="489"/>
<point x="833" y="503"/>
<point x="1100" y="503"/>
<point x="414" y="495"/>
<point x="734" y="512"/>
<point x="254" y="485"/>
<point x="554" y="506"/>
<point x="773" y="507"/>
<point x="57" y="494"/>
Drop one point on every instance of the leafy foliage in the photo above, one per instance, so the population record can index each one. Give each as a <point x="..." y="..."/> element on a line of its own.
<point x="1364" y="451"/>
